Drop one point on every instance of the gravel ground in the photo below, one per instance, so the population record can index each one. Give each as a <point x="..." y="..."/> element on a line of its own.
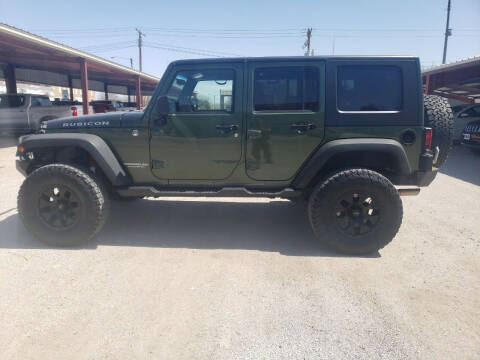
<point x="243" y="279"/>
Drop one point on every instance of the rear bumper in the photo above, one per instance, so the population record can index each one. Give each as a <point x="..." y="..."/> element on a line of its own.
<point x="425" y="178"/>
<point x="426" y="171"/>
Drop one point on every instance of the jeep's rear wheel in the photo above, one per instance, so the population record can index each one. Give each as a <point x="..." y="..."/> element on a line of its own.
<point x="355" y="211"/>
<point x="62" y="205"/>
<point x="438" y="115"/>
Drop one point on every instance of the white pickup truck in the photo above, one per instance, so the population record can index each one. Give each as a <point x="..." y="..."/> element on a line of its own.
<point x="22" y="113"/>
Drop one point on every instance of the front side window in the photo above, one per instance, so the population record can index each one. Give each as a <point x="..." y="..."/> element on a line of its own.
<point x="290" y="88"/>
<point x="202" y="91"/>
<point x="369" y="88"/>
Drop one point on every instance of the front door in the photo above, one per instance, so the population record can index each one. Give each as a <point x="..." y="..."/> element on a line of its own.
<point x="201" y="139"/>
<point x="285" y="116"/>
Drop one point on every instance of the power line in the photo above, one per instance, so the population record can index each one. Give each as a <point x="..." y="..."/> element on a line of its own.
<point x="193" y="49"/>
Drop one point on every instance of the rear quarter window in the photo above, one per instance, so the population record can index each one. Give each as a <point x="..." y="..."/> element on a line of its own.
<point x="369" y="88"/>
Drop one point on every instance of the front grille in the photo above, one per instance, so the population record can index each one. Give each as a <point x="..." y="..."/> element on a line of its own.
<point x="475" y="128"/>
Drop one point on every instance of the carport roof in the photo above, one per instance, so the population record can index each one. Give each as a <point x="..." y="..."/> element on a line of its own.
<point x="28" y="51"/>
<point x="458" y="80"/>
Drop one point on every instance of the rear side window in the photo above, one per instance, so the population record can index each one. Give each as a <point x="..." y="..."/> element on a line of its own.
<point x="290" y="88"/>
<point x="369" y="88"/>
<point x="40" y="101"/>
<point x="11" y="101"/>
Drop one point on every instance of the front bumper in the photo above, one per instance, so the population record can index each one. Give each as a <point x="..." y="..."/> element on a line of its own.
<point x="471" y="144"/>
<point x="22" y="166"/>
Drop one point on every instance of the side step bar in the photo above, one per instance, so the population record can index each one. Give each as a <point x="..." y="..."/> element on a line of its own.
<point x="408" y="191"/>
<point x="288" y="193"/>
<point x="151" y="191"/>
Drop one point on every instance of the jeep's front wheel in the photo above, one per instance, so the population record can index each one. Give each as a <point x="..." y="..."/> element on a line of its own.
<point x="62" y="205"/>
<point x="356" y="211"/>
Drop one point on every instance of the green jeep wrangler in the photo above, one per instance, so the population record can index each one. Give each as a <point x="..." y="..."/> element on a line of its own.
<point x="346" y="135"/>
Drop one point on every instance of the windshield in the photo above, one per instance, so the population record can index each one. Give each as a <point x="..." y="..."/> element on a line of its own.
<point x="11" y="101"/>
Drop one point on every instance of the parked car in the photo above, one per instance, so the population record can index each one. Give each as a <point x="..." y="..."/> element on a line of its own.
<point x="103" y="106"/>
<point x="347" y="135"/>
<point x="471" y="136"/>
<point x="22" y="113"/>
<point x="463" y="116"/>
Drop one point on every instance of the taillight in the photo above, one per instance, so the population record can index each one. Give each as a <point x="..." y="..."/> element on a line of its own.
<point x="428" y="138"/>
<point x="74" y="111"/>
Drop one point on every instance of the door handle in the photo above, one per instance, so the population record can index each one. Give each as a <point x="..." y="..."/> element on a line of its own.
<point x="301" y="128"/>
<point x="225" y="129"/>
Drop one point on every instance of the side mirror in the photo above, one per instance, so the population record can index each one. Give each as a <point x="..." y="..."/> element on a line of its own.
<point x="163" y="106"/>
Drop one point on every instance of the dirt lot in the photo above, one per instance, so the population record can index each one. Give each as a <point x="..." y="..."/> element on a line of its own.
<point x="242" y="279"/>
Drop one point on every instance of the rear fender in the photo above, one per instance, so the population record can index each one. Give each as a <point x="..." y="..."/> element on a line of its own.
<point x="317" y="161"/>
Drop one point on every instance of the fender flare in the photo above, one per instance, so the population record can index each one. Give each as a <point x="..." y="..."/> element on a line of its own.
<point x="92" y="144"/>
<point x="315" y="163"/>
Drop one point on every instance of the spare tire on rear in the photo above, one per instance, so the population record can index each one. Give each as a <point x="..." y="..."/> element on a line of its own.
<point x="439" y="117"/>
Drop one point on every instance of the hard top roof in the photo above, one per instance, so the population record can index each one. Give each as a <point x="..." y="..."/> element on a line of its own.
<point x="294" y="58"/>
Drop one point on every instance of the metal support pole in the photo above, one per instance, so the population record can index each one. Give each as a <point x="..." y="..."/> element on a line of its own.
<point x="84" y="81"/>
<point x="448" y="32"/>
<point x="428" y="90"/>
<point x="140" y="43"/>
<point x="138" y="92"/>
<point x="70" y="86"/>
<point x="128" y="93"/>
<point x="10" y="79"/>
<point x="105" y="90"/>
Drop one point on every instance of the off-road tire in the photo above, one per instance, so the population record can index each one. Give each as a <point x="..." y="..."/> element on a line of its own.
<point x="91" y="210"/>
<point x="325" y="208"/>
<point x="438" y="115"/>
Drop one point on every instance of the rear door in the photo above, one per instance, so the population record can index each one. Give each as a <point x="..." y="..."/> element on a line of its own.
<point x="201" y="138"/>
<point x="285" y="116"/>
<point x="13" y="112"/>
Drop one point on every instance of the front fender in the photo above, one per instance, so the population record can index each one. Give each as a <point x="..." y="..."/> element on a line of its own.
<point x="316" y="162"/>
<point x="92" y="144"/>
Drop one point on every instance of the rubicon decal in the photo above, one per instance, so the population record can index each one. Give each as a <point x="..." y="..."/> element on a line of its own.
<point x="87" y="123"/>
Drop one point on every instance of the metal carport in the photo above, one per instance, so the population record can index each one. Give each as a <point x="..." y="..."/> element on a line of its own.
<point x="31" y="58"/>
<point x="458" y="80"/>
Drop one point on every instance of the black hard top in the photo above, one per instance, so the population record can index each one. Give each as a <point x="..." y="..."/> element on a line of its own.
<point x="292" y="58"/>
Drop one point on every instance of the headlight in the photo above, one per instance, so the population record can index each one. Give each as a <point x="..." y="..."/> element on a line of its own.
<point x="43" y="125"/>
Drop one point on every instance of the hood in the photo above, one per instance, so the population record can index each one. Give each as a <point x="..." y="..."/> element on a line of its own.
<point x="108" y="120"/>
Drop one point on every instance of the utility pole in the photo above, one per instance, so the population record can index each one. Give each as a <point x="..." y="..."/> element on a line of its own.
<point x="306" y="45"/>
<point x="140" y="34"/>
<point x="448" y="32"/>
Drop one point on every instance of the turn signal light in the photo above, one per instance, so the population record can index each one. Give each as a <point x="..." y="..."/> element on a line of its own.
<point x="20" y="149"/>
<point x="428" y="138"/>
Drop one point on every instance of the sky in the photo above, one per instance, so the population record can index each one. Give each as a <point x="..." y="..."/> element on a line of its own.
<point x="198" y="29"/>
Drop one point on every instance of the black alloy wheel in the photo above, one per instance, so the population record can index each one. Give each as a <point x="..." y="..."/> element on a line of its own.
<point x="356" y="213"/>
<point x="59" y="207"/>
